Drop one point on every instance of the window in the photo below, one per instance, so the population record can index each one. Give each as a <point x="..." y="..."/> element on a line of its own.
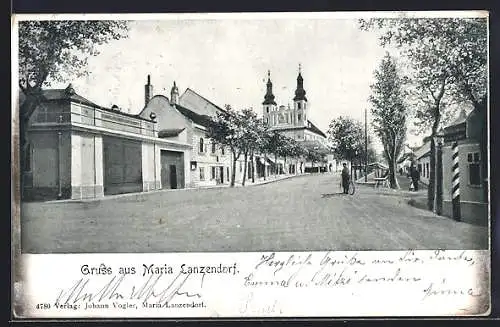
<point x="299" y="105"/>
<point x="201" y="145"/>
<point x="202" y="173"/>
<point x="223" y="151"/>
<point x="212" y="176"/>
<point x="228" y="173"/>
<point x="249" y="170"/>
<point x="427" y="169"/>
<point x="473" y="161"/>
<point x="299" y="117"/>
<point x="213" y="147"/>
<point x="267" y="109"/>
<point x="241" y="167"/>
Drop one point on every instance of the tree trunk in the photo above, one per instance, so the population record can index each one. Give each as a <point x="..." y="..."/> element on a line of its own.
<point x="393" y="181"/>
<point x="245" y="168"/>
<point x="253" y="167"/>
<point x="438" y="199"/>
<point x="233" y="173"/>
<point x="265" y="167"/>
<point x="431" y="191"/>
<point x="432" y="176"/>
<point x="276" y="164"/>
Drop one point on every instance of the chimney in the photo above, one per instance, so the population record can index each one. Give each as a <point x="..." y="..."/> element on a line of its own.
<point x="148" y="91"/>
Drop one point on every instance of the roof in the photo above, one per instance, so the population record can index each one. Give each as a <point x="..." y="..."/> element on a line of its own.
<point x="170" y="132"/>
<point x="423" y="150"/>
<point x="315" y="129"/>
<point x="63" y="94"/>
<point x="378" y="165"/>
<point x="310" y="126"/>
<point x="203" y="120"/>
<point x="198" y="103"/>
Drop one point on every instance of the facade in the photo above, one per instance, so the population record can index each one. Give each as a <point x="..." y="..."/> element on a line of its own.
<point x="467" y="134"/>
<point x="185" y="118"/>
<point x="294" y="122"/>
<point x="423" y="161"/>
<point x="78" y="149"/>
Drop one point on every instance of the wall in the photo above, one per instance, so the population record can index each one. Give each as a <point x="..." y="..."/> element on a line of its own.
<point x="207" y="159"/>
<point x="49" y="166"/>
<point x="167" y="117"/>
<point x="150" y="178"/>
<point x="424" y="163"/>
<point x="86" y="165"/>
<point x="474" y="208"/>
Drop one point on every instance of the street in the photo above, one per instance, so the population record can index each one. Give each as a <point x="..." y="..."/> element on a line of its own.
<point x="297" y="214"/>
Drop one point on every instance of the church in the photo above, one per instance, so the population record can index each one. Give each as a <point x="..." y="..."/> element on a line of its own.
<point x="293" y="121"/>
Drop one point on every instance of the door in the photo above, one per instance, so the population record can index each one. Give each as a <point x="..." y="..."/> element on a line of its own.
<point x="122" y="164"/>
<point x="172" y="169"/>
<point x="173" y="176"/>
<point x="221" y="174"/>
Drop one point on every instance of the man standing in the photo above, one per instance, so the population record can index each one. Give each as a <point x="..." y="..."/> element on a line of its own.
<point x="345" y="178"/>
<point x="415" y="177"/>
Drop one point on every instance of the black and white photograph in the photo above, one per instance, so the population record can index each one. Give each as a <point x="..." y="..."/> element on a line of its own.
<point x="252" y="133"/>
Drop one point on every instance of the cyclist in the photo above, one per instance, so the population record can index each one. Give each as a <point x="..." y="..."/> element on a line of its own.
<point x="345" y="178"/>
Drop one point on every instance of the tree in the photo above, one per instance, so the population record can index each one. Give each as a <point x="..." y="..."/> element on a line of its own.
<point x="389" y="113"/>
<point x="347" y="138"/>
<point x="52" y="51"/>
<point x="250" y="138"/>
<point x="275" y="143"/>
<point x="287" y="149"/>
<point x="448" y="57"/>
<point x="314" y="155"/>
<point x="228" y="128"/>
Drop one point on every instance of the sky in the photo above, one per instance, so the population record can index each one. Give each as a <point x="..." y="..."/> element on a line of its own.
<point x="226" y="61"/>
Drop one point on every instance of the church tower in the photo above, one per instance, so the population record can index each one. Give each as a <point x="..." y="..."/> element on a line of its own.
<point x="174" y="95"/>
<point x="269" y="105"/>
<point x="300" y="102"/>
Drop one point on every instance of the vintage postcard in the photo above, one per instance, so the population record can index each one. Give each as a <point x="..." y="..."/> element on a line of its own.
<point x="330" y="164"/>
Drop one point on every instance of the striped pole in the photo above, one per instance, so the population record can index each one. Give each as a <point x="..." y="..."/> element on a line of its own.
<point x="455" y="182"/>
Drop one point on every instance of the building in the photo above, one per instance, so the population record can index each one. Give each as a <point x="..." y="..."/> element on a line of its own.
<point x="294" y="122"/>
<point x="78" y="149"/>
<point x="186" y="118"/>
<point x="466" y="177"/>
<point x="423" y="161"/>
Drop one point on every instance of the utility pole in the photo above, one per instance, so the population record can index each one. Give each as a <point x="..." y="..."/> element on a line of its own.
<point x="366" y="148"/>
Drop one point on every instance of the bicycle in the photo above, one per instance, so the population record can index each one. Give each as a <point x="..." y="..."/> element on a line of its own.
<point x="351" y="190"/>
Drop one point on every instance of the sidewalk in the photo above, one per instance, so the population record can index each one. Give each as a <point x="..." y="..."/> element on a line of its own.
<point x="260" y="181"/>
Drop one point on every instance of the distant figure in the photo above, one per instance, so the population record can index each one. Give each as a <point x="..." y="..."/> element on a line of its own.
<point x="415" y="177"/>
<point x="345" y="178"/>
<point x="401" y="171"/>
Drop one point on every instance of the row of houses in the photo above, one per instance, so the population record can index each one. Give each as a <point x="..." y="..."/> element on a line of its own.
<point x="463" y="164"/>
<point x="79" y="149"/>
